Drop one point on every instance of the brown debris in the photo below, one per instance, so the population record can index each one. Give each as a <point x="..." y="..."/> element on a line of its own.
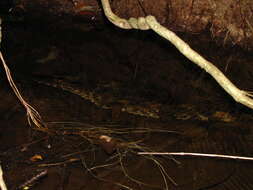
<point x="55" y="11"/>
<point x="107" y="143"/>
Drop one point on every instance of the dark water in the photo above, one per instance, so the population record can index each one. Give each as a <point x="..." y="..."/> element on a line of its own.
<point x="147" y="68"/>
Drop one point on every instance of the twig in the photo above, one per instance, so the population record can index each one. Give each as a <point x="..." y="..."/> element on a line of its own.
<point x="197" y="155"/>
<point x="59" y="163"/>
<point x="33" y="180"/>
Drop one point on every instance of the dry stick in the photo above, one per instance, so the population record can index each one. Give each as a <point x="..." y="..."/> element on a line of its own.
<point x="150" y="22"/>
<point x="196" y="154"/>
<point x="32" y="114"/>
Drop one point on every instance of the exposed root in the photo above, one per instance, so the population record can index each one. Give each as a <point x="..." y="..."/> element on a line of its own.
<point x="150" y="22"/>
<point x="32" y="114"/>
<point x="248" y="93"/>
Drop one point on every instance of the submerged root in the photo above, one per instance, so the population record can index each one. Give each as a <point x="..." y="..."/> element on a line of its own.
<point x="119" y="150"/>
